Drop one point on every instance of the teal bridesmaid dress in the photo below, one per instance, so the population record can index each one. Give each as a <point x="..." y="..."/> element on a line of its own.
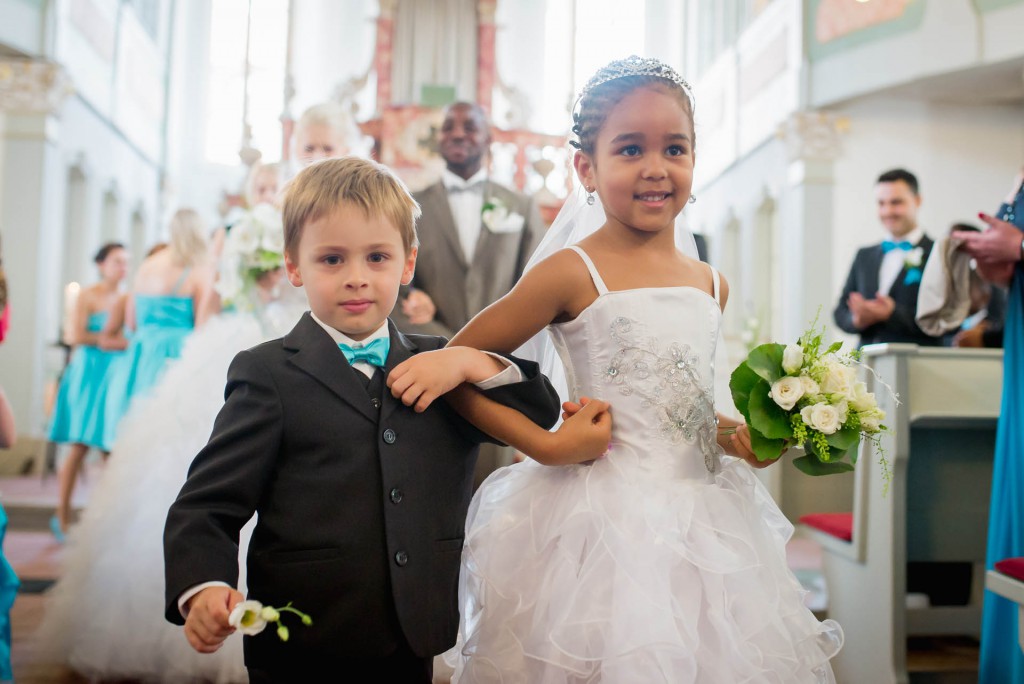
<point x="79" y="414"/>
<point x="163" y="322"/>
<point x="9" y="584"/>
<point x="1002" y="661"/>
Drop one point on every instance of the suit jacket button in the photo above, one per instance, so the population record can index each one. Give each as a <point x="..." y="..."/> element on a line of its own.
<point x="401" y="558"/>
<point x="396" y="495"/>
<point x="375" y="402"/>
<point x="390" y="436"/>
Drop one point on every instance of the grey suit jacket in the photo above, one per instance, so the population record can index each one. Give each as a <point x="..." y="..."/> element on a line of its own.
<point x="462" y="285"/>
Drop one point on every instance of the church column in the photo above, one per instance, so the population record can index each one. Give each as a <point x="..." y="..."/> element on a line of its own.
<point x="812" y="141"/>
<point x="805" y="227"/>
<point x="383" y="53"/>
<point x="31" y="203"/>
<point x="486" y="69"/>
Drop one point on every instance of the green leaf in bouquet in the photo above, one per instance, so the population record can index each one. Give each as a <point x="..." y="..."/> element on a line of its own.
<point x="766" y="416"/>
<point x="812" y="466"/>
<point x="740" y="384"/>
<point x="844" y="440"/>
<point x="764" y="448"/>
<point x="766" y="361"/>
<point x="835" y="346"/>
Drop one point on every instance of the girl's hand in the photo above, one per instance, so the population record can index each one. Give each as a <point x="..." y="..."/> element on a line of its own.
<point x="584" y="435"/>
<point x="418" y="381"/>
<point x="738" y="444"/>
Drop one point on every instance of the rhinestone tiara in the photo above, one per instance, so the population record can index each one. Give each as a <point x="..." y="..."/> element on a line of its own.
<point x="634" y="66"/>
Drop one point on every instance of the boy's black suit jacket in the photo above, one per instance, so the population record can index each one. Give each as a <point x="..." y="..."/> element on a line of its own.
<point x="361" y="512"/>
<point x="863" y="278"/>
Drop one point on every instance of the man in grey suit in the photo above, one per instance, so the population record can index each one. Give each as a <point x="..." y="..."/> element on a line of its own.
<point x="475" y="239"/>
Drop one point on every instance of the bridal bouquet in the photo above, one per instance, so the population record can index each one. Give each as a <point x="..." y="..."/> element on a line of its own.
<point x="807" y="395"/>
<point x="254" y="246"/>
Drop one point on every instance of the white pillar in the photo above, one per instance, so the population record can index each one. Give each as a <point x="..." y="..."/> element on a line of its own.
<point x="31" y="214"/>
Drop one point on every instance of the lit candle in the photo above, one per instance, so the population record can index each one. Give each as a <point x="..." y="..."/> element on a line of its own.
<point x="71" y="291"/>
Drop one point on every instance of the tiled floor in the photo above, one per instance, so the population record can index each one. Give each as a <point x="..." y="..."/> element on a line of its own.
<point x="36" y="558"/>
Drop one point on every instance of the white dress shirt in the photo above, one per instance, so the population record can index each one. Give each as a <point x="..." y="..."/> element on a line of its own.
<point x="466" y="199"/>
<point x="892" y="263"/>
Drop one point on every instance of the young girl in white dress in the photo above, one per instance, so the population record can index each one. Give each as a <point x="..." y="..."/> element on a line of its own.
<point x="664" y="560"/>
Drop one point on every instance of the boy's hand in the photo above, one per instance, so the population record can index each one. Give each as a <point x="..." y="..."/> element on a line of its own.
<point x="206" y="626"/>
<point x="420" y="380"/>
<point x="586" y="432"/>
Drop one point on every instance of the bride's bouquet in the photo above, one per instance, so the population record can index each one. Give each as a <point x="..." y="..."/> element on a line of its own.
<point x="807" y="395"/>
<point x="253" y="247"/>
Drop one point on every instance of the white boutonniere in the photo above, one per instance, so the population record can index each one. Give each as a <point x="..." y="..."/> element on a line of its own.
<point x="498" y="219"/>
<point x="913" y="258"/>
<point x="912" y="262"/>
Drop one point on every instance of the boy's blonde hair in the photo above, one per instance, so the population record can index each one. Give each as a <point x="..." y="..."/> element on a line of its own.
<point x="327" y="185"/>
<point x="188" y="237"/>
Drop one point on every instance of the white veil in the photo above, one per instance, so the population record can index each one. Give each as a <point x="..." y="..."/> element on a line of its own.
<point x="575" y="221"/>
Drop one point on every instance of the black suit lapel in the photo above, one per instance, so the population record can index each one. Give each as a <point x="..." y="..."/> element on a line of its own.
<point x="870" y="267"/>
<point x="318" y="355"/>
<point x="402" y="348"/>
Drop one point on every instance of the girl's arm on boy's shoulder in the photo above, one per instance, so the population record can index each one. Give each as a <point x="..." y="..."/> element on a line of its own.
<point x="549" y="291"/>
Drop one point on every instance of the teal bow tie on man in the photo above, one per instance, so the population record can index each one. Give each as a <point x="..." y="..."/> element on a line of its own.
<point x="889" y="245"/>
<point x="375" y="353"/>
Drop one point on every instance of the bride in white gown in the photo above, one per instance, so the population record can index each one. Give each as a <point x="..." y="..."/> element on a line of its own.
<point x="104" y="617"/>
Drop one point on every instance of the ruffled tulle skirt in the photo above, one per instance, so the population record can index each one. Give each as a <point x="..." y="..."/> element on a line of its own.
<point x="617" y="572"/>
<point x="104" y="617"/>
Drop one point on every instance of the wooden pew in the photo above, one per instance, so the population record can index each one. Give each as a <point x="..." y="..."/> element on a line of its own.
<point x="940" y="451"/>
<point x="1007" y="580"/>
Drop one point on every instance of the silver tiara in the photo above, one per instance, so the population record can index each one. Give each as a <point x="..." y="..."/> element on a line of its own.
<point x="634" y="66"/>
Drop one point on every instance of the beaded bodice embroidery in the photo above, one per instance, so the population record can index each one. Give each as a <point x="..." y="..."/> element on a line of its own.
<point x="649" y="353"/>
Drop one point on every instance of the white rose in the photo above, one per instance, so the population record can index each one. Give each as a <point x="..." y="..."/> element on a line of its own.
<point x="229" y="281"/>
<point x="914" y="257"/>
<point x="271" y="226"/>
<point x="871" y="420"/>
<point x="822" y="417"/>
<point x="843" y="409"/>
<point x="792" y="358"/>
<point x="273" y="239"/>
<point x="838" y="378"/>
<point x="810" y="387"/>
<point x="861" y="399"/>
<point x="247" y="617"/>
<point x="786" y="392"/>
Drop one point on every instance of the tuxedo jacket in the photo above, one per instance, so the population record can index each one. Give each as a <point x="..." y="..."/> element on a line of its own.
<point x="863" y="278"/>
<point x="361" y="501"/>
<point x="462" y="285"/>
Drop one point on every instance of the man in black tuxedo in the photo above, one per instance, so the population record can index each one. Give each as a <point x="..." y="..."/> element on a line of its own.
<point x="361" y="498"/>
<point x="879" y="300"/>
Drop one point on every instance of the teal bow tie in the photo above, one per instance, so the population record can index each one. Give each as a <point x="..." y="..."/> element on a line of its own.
<point x="375" y="353"/>
<point x="889" y="245"/>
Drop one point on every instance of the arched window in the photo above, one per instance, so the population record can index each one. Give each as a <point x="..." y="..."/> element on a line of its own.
<point x="245" y="81"/>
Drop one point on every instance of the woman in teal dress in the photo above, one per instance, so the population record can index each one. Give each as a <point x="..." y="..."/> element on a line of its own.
<point x="999" y="251"/>
<point x="171" y="294"/>
<point x="79" y="414"/>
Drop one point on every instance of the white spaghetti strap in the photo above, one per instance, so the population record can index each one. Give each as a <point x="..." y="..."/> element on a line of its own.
<point x="715" y="283"/>
<point x="598" y="283"/>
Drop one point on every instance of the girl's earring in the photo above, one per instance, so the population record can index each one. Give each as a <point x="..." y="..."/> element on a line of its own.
<point x="590" y="196"/>
<point x="693" y="198"/>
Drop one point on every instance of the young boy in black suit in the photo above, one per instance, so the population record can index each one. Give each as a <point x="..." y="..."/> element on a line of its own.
<point x="361" y="496"/>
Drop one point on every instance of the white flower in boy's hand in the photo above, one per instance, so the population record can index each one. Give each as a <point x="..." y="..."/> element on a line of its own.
<point x="247" y="617"/>
<point x="792" y="358"/>
<point x="787" y="391"/>
<point x="822" y="417"/>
